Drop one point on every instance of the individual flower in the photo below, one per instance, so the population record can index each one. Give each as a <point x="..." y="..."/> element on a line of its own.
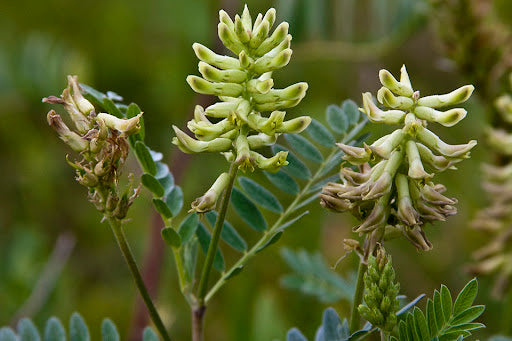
<point x="392" y="186"/>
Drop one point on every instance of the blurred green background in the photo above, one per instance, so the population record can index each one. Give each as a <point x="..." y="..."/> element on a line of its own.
<point x="142" y="50"/>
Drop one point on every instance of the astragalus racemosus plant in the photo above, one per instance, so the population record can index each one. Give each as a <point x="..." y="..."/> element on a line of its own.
<point x="392" y="190"/>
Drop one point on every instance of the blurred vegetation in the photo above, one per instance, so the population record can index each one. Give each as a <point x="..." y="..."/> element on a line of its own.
<point x="142" y="50"/>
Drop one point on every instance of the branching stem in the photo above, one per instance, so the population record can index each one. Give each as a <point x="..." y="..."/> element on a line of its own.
<point x="355" y="318"/>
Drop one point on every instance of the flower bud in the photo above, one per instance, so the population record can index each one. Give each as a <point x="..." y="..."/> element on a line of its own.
<point x="257" y="86"/>
<point x="209" y="131"/>
<point x="416" y="170"/>
<point x="455" y="97"/>
<point x="124" y="126"/>
<point x="386" y="97"/>
<point x="417" y="238"/>
<point x="83" y="105"/>
<point x="292" y="92"/>
<point x="377" y="115"/>
<point x="76" y="142"/>
<point x="405" y="211"/>
<point x="266" y="125"/>
<point x="242" y="34"/>
<point x="229" y="38"/>
<point x="86" y="178"/>
<point x="447" y="118"/>
<point x="354" y="155"/>
<point x="261" y="140"/>
<point x="295" y="125"/>
<point x="277" y="37"/>
<point x="226" y="76"/>
<point x="190" y="145"/>
<point x="266" y="63"/>
<point x="387" y="79"/>
<point x="432" y="141"/>
<point x="272" y="164"/>
<point x="208" y="201"/>
<point x="210" y="57"/>
<point x="203" y="86"/>
<point x="383" y="147"/>
<point x="222" y="109"/>
<point x="259" y="34"/>
<point x="378" y="216"/>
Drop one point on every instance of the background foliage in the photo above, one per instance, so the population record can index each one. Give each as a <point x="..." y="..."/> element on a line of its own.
<point x="142" y="50"/>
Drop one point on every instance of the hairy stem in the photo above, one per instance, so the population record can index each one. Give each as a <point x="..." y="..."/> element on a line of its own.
<point x="355" y="318"/>
<point x="130" y="260"/>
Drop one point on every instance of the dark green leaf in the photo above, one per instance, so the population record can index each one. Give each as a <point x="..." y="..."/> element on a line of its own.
<point x="446" y="300"/>
<point x="54" y="331"/>
<point x="304" y="148"/>
<point x="161" y="207"/>
<point x="337" y="119"/>
<point x="7" y="334"/>
<point x="421" y="325"/>
<point x="438" y="309"/>
<point x="228" y="233"/>
<point x="161" y="170"/>
<point x="174" y="200"/>
<point x="149" y="335"/>
<point x="93" y="95"/>
<point x="109" y="331"/>
<point x="248" y="211"/>
<point x="283" y="181"/>
<point x="351" y="110"/>
<point x="167" y="183"/>
<point x="188" y="227"/>
<point x="411" y="330"/>
<point x="260" y="195"/>
<point x="295" y="335"/>
<point x="466" y="297"/>
<point x="27" y="331"/>
<point x="152" y="184"/>
<point x="320" y="134"/>
<point x="144" y="157"/>
<point x="292" y="221"/>
<point x="431" y="319"/>
<point x="132" y="111"/>
<point x="402" y="332"/>
<point x="234" y="272"/>
<point x="189" y="255"/>
<point x="171" y="237"/>
<point x="295" y="167"/>
<point x="204" y="238"/>
<point x="78" y="329"/>
<point x="465" y="326"/>
<point x="271" y="241"/>
<point x="468" y="315"/>
<point x="453" y="336"/>
<point x="111" y="108"/>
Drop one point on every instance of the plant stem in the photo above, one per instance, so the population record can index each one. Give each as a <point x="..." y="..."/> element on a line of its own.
<point x="130" y="260"/>
<point x="355" y="318"/>
<point x="197" y="323"/>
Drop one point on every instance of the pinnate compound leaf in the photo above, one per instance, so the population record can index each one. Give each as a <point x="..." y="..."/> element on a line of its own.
<point x="171" y="237"/>
<point x="337" y="119"/>
<point x="149" y="335"/>
<point x="174" y="200"/>
<point x="204" y="238"/>
<point x="167" y="183"/>
<point x="260" y="195"/>
<point x="109" y="331"/>
<point x="144" y="157"/>
<point x="228" y="233"/>
<point x="283" y="181"/>
<point x="295" y="167"/>
<point x="351" y="110"/>
<point x="78" y="330"/>
<point x="54" y="330"/>
<point x="271" y="241"/>
<point x="162" y="208"/>
<point x="27" y="331"/>
<point x="248" y="211"/>
<point x="188" y="227"/>
<point x="320" y="134"/>
<point x="152" y="184"/>
<point x="304" y="148"/>
<point x="466" y="297"/>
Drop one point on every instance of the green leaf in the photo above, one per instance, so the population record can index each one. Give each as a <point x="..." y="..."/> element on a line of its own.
<point x="260" y="195"/>
<point x="331" y="323"/>
<point x="174" y="200"/>
<point x="204" y="238"/>
<point x="337" y="119"/>
<point x="431" y="318"/>
<point x="402" y="332"/>
<point x="295" y="335"/>
<point x="292" y="221"/>
<point x="465" y="327"/>
<point x="162" y="170"/>
<point x="248" y="211"/>
<point x="109" y="331"/>
<point x="132" y="111"/>
<point x="283" y="181"/>
<point x="152" y="184"/>
<point x="320" y="134"/>
<point x="7" y="334"/>
<point x="271" y="241"/>
<point x="453" y="336"/>
<point x="111" y="108"/>
<point x="93" y="95"/>
<point x="351" y="110"/>
<point x="27" y="331"/>
<point x="304" y="148"/>
<point x="171" y="237"/>
<point x="77" y="328"/>
<point x="409" y="305"/>
<point x="234" y="272"/>
<point x="446" y="299"/>
<point x="438" y="309"/>
<point x="421" y="324"/>
<point x="188" y="227"/>
<point x="468" y="315"/>
<point x="466" y="297"/>
<point x="228" y="233"/>
<point x="149" y="335"/>
<point x="162" y="208"/>
<point x="189" y="255"/>
<point x="54" y="331"/>
<point x="167" y="183"/>
<point x="411" y="330"/>
<point x="295" y="167"/>
<point x="144" y="157"/>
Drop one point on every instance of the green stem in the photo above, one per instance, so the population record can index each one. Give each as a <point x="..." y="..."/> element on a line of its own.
<point x="355" y="318"/>
<point x="289" y="210"/>
<point x="130" y="260"/>
<point x="212" y="249"/>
